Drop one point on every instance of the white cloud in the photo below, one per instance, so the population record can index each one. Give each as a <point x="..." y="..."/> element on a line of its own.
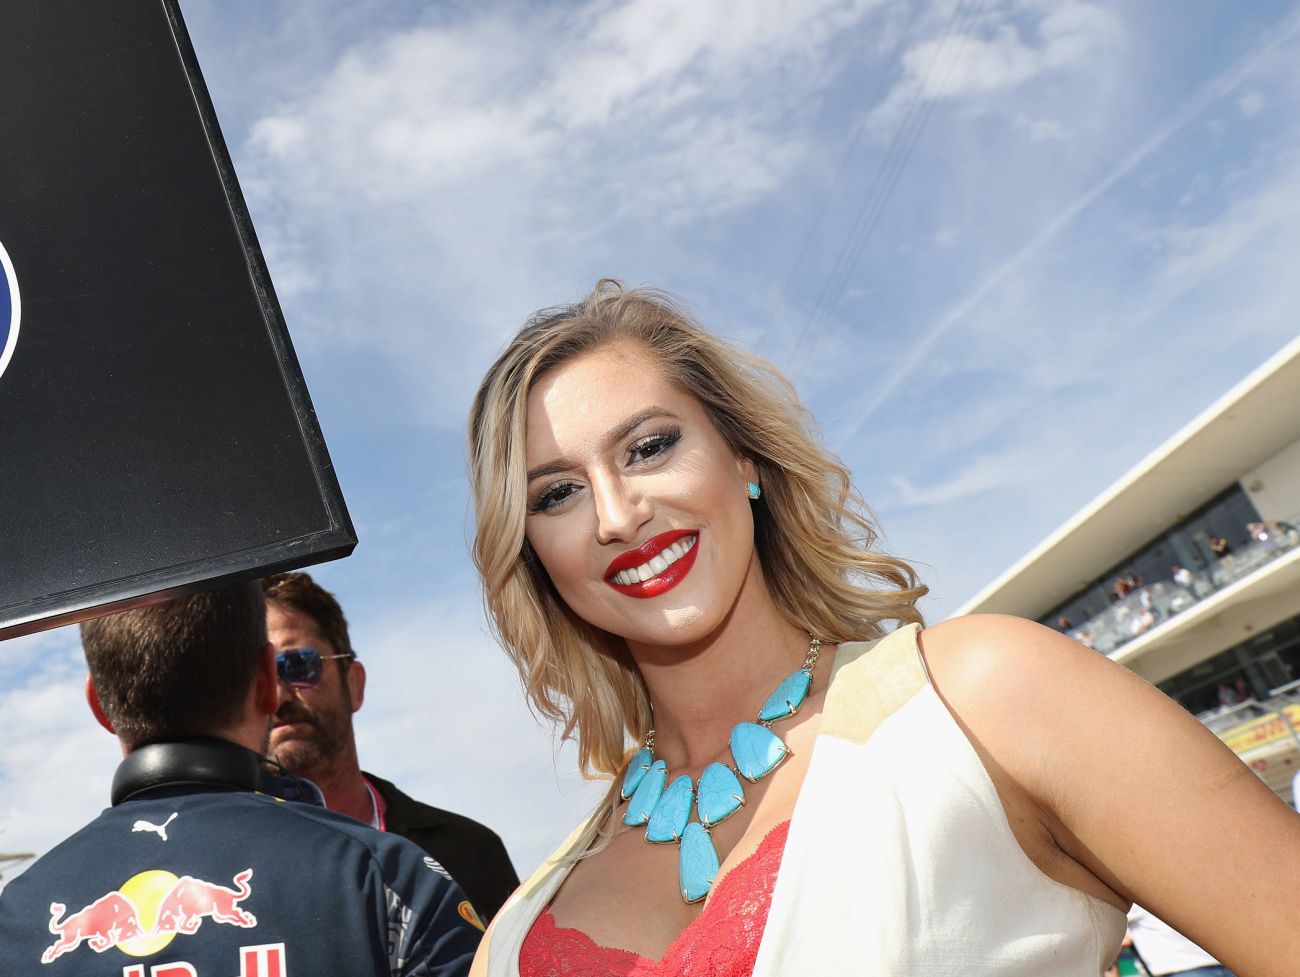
<point x="947" y="237"/>
<point x="1260" y="223"/>
<point x="1251" y="103"/>
<point x="985" y="474"/>
<point x="56" y="762"/>
<point x="639" y="85"/>
<point x="1005" y="49"/>
<point x="1043" y="130"/>
<point x="1018" y="266"/>
<point x="457" y="172"/>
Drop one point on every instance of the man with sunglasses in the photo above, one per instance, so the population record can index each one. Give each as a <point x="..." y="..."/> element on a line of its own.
<point x="195" y="869"/>
<point x="322" y="685"/>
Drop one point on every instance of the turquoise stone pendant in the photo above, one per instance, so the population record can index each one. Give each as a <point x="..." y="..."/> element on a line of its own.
<point x="636" y="769"/>
<point x="757" y="750"/>
<point x="646" y="795"/>
<point x="672" y="812"/>
<point x="719" y="796"/>
<point x="697" y="863"/>
<point x="787" y="698"/>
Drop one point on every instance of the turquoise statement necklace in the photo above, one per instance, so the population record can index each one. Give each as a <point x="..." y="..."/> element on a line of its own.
<point x="665" y="809"/>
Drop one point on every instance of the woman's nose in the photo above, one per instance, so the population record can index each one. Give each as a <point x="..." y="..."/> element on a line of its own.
<point x="621" y="510"/>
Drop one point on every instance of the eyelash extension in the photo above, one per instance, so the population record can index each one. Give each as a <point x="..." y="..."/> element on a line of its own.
<point x="547" y="500"/>
<point x="664" y="440"/>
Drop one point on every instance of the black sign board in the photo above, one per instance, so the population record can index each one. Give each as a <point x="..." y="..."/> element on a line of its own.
<point x="155" y="432"/>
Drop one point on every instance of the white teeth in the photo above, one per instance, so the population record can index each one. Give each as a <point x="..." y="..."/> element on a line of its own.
<point x="657" y="564"/>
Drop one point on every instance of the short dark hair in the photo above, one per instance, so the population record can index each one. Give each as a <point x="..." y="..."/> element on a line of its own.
<point x="303" y="594"/>
<point x="179" y="668"/>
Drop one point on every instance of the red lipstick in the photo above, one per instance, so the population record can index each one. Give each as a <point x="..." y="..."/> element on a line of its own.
<point x="661" y="582"/>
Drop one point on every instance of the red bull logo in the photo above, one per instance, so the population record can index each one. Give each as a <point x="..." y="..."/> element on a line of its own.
<point x="147" y="913"/>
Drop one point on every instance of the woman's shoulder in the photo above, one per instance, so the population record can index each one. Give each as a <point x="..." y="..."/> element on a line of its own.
<point x="979" y="661"/>
<point x="999" y="657"/>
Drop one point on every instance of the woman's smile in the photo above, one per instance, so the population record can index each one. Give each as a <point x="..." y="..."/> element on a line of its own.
<point x="656" y="566"/>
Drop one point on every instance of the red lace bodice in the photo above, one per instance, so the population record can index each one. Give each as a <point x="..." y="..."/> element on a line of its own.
<point x="722" y="941"/>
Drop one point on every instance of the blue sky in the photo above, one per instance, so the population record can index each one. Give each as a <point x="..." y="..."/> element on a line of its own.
<point x="1005" y="249"/>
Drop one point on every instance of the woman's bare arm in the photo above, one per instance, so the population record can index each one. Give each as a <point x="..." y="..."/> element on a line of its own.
<point x="1130" y="786"/>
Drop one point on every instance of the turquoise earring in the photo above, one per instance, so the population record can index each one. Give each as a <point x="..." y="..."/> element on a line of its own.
<point x="754" y="490"/>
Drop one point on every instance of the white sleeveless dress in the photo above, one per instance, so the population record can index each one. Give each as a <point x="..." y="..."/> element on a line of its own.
<point x="899" y="861"/>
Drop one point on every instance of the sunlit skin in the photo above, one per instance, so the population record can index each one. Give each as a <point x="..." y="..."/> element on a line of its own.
<point x="1108" y="786"/>
<point x="311" y="732"/>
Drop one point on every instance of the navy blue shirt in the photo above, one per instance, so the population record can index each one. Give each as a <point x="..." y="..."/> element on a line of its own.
<point x="233" y="883"/>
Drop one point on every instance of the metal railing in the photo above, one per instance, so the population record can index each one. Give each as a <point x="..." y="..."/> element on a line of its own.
<point x="1152" y="604"/>
<point x="1265" y="734"/>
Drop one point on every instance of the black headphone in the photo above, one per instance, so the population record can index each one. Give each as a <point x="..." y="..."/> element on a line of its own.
<point x="207" y="761"/>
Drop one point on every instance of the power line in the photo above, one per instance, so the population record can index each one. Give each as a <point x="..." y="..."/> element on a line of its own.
<point x="919" y="106"/>
<point x="894" y="56"/>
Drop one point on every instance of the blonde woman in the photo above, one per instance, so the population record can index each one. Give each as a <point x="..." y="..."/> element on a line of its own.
<point x="803" y="781"/>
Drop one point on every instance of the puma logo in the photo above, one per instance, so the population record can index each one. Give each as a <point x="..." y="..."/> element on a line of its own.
<point x="159" y="829"/>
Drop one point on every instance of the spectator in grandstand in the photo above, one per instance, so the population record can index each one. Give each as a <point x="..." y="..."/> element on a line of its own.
<point x="1284" y="530"/>
<point x="1260" y="533"/>
<point x="1227" y="695"/>
<point x="1182" y="576"/>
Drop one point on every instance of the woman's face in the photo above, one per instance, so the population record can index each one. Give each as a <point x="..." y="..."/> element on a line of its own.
<point x="636" y="506"/>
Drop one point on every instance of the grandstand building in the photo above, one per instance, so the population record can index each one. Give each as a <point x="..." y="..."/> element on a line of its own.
<point x="1187" y="570"/>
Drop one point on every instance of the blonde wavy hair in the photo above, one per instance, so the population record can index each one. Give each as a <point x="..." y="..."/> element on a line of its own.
<point x="814" y="534"/>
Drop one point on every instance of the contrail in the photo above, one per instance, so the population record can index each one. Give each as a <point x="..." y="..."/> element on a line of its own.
<point x="1212" y="90"/>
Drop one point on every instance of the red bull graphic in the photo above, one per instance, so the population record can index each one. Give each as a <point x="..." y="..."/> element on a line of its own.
<point x="108" y="921"/>
<point x="192" y="900"/>
<point x="147" y="912"/>
<point x="10" y="309"/>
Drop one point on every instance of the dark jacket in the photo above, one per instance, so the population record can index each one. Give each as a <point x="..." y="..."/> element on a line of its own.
<point x="192" y="865"/>
<point x="471" y="853"/>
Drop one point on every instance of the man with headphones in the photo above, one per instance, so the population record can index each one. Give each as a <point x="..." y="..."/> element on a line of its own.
<point x="195" y="870"/>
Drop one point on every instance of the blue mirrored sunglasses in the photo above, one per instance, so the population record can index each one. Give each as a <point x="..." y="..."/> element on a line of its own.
<point x="301" y="667"/>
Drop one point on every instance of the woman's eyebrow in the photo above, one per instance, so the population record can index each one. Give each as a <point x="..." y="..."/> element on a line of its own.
<point x="611" y="438"/>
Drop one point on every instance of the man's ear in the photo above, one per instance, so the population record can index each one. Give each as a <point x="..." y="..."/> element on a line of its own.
<point x="357" y="684"/>
<point x="96" y="707"/>
<point x="266" y="686"/>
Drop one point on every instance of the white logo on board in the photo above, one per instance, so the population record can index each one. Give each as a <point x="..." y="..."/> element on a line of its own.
<point x="10" y="309"/>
